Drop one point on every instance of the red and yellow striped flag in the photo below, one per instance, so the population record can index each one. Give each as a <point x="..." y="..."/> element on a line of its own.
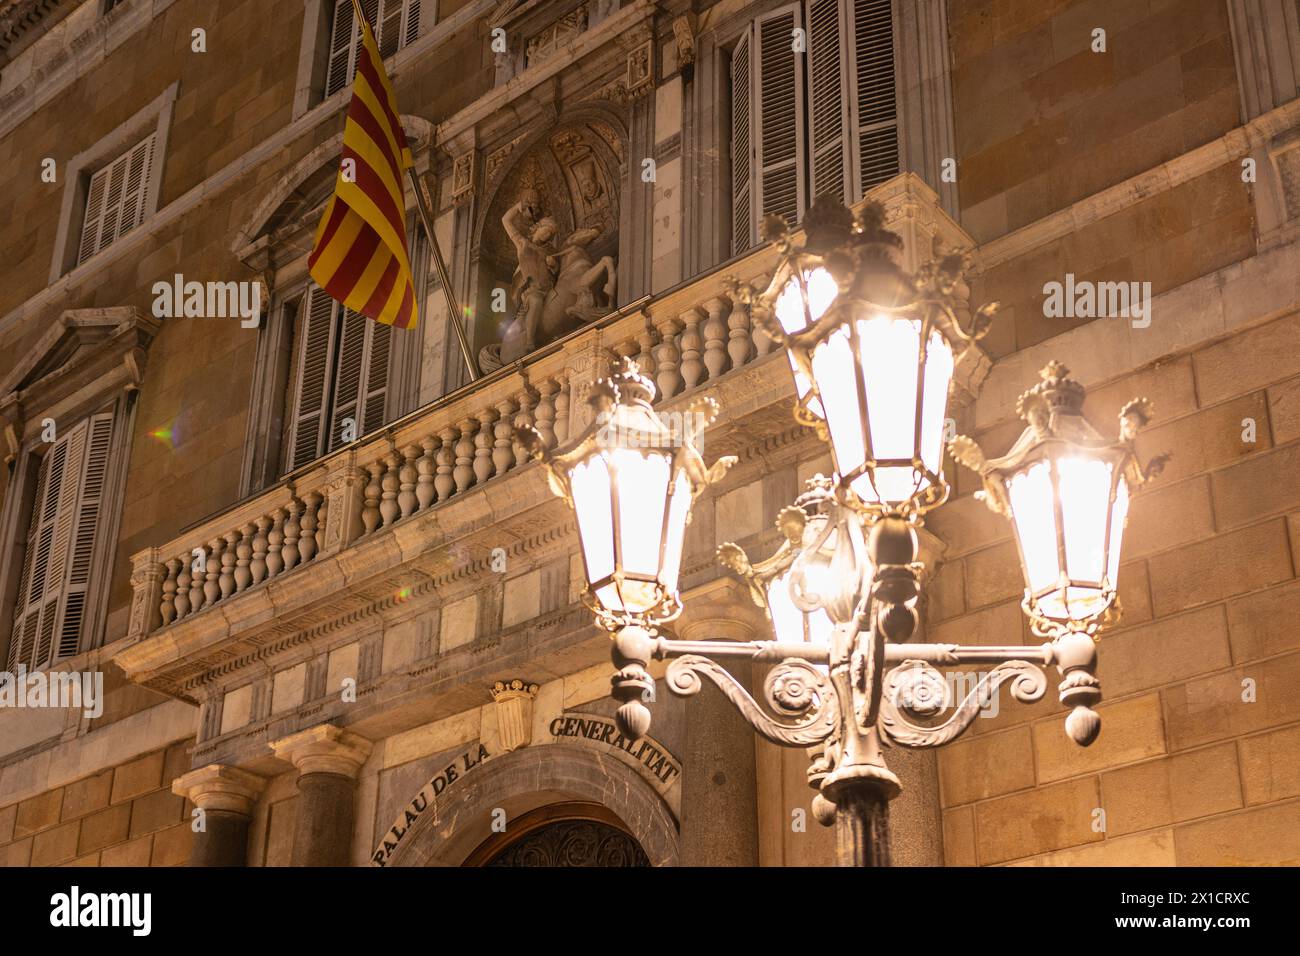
<point x="360" y="256"/>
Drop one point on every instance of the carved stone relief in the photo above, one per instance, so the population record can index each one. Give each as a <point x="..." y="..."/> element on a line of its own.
<point x="550" y="239"/>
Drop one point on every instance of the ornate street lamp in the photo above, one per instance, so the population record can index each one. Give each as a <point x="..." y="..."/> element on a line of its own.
<point x="874" y="348"/>
<point x="842" y="588"/>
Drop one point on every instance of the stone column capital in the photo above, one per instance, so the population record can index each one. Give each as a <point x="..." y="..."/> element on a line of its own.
<point x="220" y="787"/>
<point x="324" y="748"/>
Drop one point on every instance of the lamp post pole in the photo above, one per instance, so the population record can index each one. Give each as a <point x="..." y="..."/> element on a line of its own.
<point x="846" y="679"/>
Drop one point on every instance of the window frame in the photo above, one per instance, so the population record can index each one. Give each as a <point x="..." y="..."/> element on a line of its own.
<point x="110" y="363"/>
<point x="154" y="119"/>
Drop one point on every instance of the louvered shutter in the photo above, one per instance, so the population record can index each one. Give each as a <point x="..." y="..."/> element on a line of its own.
<point x="742" y="210"/>
<point x="395" y="22"/>
<point x="828" y="106"/>
<point x="778" y="125"/>
<point x="874" y="105"/>
<point x="85" y="526"/>
<point x="349" y="377"/>
<point x="117" y="199"/>
<point x="361" y="379"/>
<point x="135" y="199"/>
<point x="342" y="48"/>
<point x="314" y="364"/>
<point x="60" y="546"/>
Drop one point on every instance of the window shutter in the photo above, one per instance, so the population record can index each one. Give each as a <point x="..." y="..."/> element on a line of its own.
<point x="315" y="360"/>
<point x="411" y="25"/>
<point x="361" y="380"/>
<point x="828" y="100"/>
<point x="349" y="377"/>
<point x="742" y="225"/>
<point x="60" y="544"/>
<point x="779" y="121"/>
<point x="875" y="120"/>
<point x="85" y="523"/>
<point x="136" y="198"/>
<point x="95" y="197"/>
<point x="342" y="48"/>
<point x="388" y="32"/>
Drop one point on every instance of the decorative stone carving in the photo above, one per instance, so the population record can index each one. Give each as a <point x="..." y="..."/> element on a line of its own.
<point x="684" y="35"/>
<point x="557" y="34"/>
<point x="514" y="700"/>
<point x="555" y="290"/>
<point x="462" y="178"/>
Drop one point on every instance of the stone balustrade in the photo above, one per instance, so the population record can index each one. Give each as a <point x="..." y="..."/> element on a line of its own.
<point x="685" y="339"/>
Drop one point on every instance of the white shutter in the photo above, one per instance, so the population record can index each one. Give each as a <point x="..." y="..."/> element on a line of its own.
<point x="778" y="126"/>
<point x="349" y="376"/>
<point x="828" y="100"/>
<point x="90" y="224"/>
<point x="742" y="209"/>
<point x="342" y="48"/>
<point x="135" y="200"/>
<point x="395" y="22"/>
<point x="361" y="376"/>
<point x="85" y="528"/>
<point x="314" y="364"/>
<point x="60" y="546"/>
<point x="874" y="105"/>
<point x="117" y="199"/>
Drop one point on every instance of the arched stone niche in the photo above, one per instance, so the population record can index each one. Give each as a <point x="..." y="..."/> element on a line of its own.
<point x="576" y="168"/>
<point x="524" y="780"/>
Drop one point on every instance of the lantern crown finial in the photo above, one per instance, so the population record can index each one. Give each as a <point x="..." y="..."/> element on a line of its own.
<point x="624" y="384"/>
<point x="1054" y="395"/>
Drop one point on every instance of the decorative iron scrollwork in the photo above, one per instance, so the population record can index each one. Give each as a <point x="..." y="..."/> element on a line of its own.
<point x="795" y="689"/>
<point x="915" y="689"/>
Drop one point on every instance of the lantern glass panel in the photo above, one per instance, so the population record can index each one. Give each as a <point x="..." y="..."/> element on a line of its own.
<point x="1118" y="515"/>
<point x="790" y="312"/>
<point x="589" y="486"/>
<point x="1085" y="507"/>
<point x="642" y="494"/>
<point x="934" y="411"/>
<point x="1035" y="521"/>
<point x="832" y="367"/>
<point x="679" y="509"/>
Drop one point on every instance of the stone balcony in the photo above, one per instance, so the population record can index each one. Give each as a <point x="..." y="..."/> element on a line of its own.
<point x="414" y="529"/>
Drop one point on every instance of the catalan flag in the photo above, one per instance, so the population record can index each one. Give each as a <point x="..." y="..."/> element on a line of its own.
<point x="360" y="256"/>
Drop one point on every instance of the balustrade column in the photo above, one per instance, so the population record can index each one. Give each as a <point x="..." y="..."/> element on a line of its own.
<point x="545" y="413"/>
<point x="212" y="572"/>
<point x="503" y="456"/>
<point x="167" y="610"/>
<point x="229" y="555"/>
<point x="308" y="544"/>
<point x="483" y="467"/>
<point x="524" y="419"/>
<point x="292" y="530"/>
<point x="275" y="543"/>
<point x="408" y="475"/>
<point x="692" y="368"/>
<point x="666" y="359"/>
<point x="739" y="345"/>
<point x="425" y="492"/>
<point x="464" y="470"/>
<point x="715" y="336"/>
<point x="260" y="546"/>
<point x="561" y="426"/>
<point x="374" y="489"/>
<point x="444" y="482"/>
<point x="389" y="509"/>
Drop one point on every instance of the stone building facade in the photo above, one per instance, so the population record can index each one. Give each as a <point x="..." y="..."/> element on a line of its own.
<point x="334" y="606"/>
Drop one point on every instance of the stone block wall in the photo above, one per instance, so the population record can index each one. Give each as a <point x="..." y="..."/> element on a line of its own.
<point x="121" y="816"/>
<point x="1200" y="743"/>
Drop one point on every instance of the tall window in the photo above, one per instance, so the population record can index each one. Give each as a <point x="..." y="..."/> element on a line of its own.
<point x="56" y="569"/>
<point x="339" y="384"/>
<point x="395" y="22"/>
<point x="813" y="109"/>
<point x="117" y="198"/>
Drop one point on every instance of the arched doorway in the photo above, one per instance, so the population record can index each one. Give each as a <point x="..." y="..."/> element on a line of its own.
<point x="571" y="834"/>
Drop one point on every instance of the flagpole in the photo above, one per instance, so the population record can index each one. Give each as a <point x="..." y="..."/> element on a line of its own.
<point x="427" y="221"/>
